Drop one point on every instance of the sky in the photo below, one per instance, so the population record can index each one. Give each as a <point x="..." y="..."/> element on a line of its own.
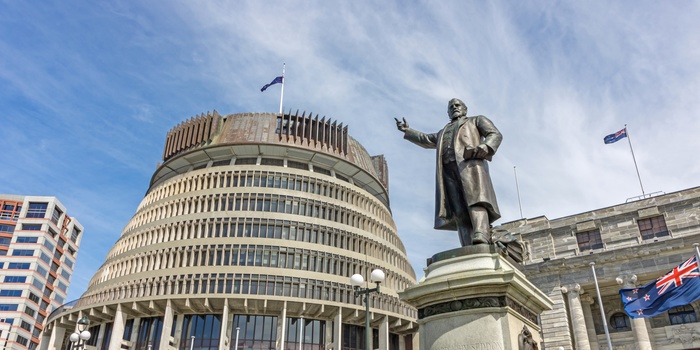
<point x="88" y="91"/>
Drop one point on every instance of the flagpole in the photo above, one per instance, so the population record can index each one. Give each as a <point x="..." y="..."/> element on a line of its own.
<point x="600" y="301"/>
<point x="629" y="139"/>
<point x="284" y="65"/>
<point x="697" y="253"/>
<point x="517" y="189"/>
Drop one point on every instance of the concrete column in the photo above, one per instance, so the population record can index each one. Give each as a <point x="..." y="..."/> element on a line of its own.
<point x="282" y="327"/>
<point x="587" y="301"/>
<point x="384" y="333"/>
<point x="135" y="331"/>
<point x="639" y="326"/>
<point x="578" y="321"/>
<point x="335" y="336"/>
<point x="57" y="335"/>
<point x="225" y="331"/>
<point x="167" y="326"/>
<point x="115" y="342"/>
<point x="101" y="333"/>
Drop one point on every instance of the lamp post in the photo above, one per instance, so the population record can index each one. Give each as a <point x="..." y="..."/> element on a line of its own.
<point x="82" y="335"/>
<point x="357" y="281"/>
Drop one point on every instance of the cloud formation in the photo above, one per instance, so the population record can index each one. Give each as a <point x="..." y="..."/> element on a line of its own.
<point x="89" y="91"/>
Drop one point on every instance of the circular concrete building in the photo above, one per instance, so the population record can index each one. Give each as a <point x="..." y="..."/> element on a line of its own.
<point x="246" y="239"/>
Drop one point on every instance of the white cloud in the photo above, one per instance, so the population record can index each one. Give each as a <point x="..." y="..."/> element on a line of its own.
<point x="88" y="95"/>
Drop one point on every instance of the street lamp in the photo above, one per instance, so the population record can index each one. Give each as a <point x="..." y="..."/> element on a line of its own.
<point x="79" y="337"/>
<point x="357" y="281"/>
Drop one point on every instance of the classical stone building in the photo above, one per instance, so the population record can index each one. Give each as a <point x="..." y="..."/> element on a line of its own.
<point x="39" y="243"/>
<point x="250" y="230"/>
<point x="631" y="244"/>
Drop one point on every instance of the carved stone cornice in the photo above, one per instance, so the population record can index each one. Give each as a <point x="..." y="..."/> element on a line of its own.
<point x="476" y="303"/>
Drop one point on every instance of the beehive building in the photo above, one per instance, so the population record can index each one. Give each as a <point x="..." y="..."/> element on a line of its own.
<point x="250" y="230"/>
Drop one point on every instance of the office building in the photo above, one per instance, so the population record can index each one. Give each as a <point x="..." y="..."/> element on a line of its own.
<point x="38" y="246"/>
<point x="630" y="244"/>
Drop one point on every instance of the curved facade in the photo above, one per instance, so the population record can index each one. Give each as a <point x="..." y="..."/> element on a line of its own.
<point x="250" y="230"/>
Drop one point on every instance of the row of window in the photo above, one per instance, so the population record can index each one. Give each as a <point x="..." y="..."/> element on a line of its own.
<point x="247" y="284"/>
<point x="649" y="228"/>
<point x="269" y="179"/>
<point x="203" y="332"/>
<point x="262" y="228"/>
<point x="620" y="322"/>
<point x="270" y="203"/>
<point x="250" y="255"/>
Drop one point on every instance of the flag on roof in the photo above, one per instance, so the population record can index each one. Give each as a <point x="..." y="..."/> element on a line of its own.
<point x="612" y="138"/>
<point x="277" y="80"/>
<point x="679" y="287"/>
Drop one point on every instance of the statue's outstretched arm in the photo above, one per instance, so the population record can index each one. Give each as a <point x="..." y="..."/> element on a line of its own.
<point x="401" y="125"/>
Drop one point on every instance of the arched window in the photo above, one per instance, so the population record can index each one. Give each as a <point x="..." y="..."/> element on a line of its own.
<point x="619" y="322"/>
<point x="682" y="314"/>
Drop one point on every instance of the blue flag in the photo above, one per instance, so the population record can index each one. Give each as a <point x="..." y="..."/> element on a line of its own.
<point x="679" y="287"/>
<point x="612" y="138"/>
<point x="277" y="80"/>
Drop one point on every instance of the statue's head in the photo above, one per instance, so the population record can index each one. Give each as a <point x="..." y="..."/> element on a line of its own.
<point x="456" y="108"/>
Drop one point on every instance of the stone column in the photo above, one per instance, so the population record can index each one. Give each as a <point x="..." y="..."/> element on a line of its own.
<point x="587" y="301"/>
<point x="335" y="336"/>
<point x="578" y="320"/>
<point x="101" y="334"/>
<point x="225" y="331"/>
<point x="384" y="333"/>
<point x="115" y="342"/>
<point x="282" y="327"/>
<point x="57" y="334"/>
<point x="639" y="326"/>
<point x="167" y="326"/>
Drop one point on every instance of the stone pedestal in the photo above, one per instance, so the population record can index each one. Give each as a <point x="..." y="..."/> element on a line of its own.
<point x="473" y="298"/>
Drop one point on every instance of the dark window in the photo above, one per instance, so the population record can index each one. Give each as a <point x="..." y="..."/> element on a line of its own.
<point x="589" y="240"/>
<point x="22" y="252"/>
<point x="27" y="239"/>
<point x="74" y="235"/>
<point x="682" y="314"/>
<point x="128" y="328"/>
<point x="108" y="335"/>
<point x="37" y="210"/>
<point x="18" y="266"/>
<point x="243" y="161"/>
<point x="297" y="165"/>
<point x="619" y="322"/>
<point x="15" y="279"/>
<point x="149" y="333"/>
<point x="7" y="228"/>
<point x="205" y="329"/>
<point x="31" y="227"/>
<point x="257" y="330"/>
<point x="652" y="227"/>
<point x="10" y="293"/>
<point x="56" y="215"/>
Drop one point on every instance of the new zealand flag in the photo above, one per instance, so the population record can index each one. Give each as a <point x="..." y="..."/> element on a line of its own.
<point x="612" y="138"/>
<point x="679" y="287"/>
<point x="277" y="80"/>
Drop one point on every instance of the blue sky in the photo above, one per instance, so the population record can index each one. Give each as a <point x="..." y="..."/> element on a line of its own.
<point x="88" y="91"/>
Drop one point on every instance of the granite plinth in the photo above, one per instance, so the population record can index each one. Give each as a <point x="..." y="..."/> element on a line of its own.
<point x="474" y="298"/>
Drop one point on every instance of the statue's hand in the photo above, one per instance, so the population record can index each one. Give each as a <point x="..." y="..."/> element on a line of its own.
<point x="481" y="151"/>
<point x="402" y="126"/>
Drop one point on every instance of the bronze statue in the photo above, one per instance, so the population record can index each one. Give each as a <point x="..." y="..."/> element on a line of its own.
<point x="525" y="340"/>
<point x="465" y="199"/>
